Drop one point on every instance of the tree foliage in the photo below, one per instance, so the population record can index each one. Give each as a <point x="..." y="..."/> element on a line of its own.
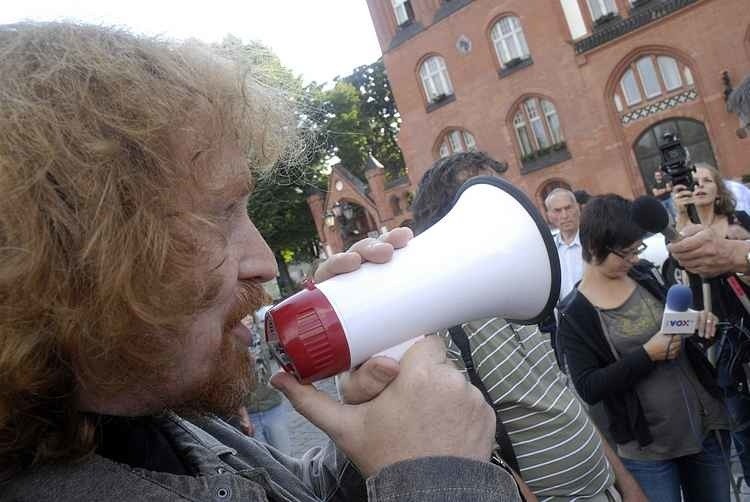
<point x="354" y="118"/>
<point x="378" y="109"/>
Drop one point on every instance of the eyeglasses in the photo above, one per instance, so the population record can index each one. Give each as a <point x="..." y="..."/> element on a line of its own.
<point x="625" y="255"/>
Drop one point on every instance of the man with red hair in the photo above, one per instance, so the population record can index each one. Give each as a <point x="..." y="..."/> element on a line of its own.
<point x="128" y="260"/>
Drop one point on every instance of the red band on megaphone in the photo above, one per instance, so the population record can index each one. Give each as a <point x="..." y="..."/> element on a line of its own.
<point x="310" y="334"/>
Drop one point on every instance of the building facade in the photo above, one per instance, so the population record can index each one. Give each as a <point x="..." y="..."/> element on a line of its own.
<point x="572" y="93"/>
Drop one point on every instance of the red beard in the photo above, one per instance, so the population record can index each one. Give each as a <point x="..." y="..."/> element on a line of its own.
<point x="233" y="375"/>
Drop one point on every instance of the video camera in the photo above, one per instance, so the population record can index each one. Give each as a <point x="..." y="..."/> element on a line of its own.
<point x="675" y="161"/>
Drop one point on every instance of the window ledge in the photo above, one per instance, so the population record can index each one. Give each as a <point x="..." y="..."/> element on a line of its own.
<point x="640" y="4"/>
<point x="548" y="159"/>
<point x="640" y="16"/>
<point x="448" y="8"/>
<point x="508" y="70"/>
<point x="606" y="20"/>
<point x="431" y="107"/>
<point x="404" y="32"/>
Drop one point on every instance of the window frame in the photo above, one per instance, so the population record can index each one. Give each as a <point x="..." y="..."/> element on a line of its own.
<point x="658" y="62"/>
<point x="649" y="60"/>
<point x="428" y="79"/>
<point x="501" y="41"/>
<point x="523" y="120"/>
<point x="466" y="142"/>
<point x="602" y="5"/>
<point x="625" y="92"/>
<point x="663" y="74"/>
<point x="405" y="7"/>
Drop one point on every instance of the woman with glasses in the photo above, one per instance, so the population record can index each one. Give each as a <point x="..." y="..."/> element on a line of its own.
<point x="658" y="392"/>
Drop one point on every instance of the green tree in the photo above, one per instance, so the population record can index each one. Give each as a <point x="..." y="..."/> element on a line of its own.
<point x="281" y="214"/>
<point x="361" y="119"/>
<point x="354" y="118"/>
<point x="347" y="129"/>
<point x="378" y="110"/>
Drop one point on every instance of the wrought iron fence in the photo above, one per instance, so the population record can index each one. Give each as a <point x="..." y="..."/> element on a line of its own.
<point x="639" y="17"/>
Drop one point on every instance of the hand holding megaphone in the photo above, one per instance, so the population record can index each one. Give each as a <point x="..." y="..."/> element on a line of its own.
<point x="491" y="255"/>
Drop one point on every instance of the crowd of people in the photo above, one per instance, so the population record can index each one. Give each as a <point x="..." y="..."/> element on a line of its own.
<point x="129" y="263"/>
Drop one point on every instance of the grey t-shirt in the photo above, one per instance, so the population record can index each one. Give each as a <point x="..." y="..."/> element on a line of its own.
<point x="678" y="409"/>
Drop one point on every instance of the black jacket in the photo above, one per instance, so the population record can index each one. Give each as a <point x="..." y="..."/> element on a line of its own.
<point x="599" y="376"/>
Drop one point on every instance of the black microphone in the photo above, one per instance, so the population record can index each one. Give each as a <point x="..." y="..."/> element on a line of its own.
<point x="651" y="216"/>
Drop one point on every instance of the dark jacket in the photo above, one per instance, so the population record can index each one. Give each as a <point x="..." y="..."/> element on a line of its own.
<point x="231" y="466"/>
<point x="599" y="376"/>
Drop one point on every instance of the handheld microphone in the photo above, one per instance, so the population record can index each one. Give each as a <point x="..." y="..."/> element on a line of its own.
<point x="465" y="267"/>
<point x="679" y="318"/>
<point x="650" y="215"/>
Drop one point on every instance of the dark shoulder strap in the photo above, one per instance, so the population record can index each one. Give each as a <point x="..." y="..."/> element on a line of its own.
<point x="743" y="218"/>
<point x="458" y="335"/>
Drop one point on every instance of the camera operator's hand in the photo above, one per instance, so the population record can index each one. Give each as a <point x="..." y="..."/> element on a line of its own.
<point x="430" y="409"/>
<point x="681" y="197"/>
<point x="737" y="233"/>
<point x="702" y="251"/>
<point x="707" y="325"/>
<point x="663" y="347"/>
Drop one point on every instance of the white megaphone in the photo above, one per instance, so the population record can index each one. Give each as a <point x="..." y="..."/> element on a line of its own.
<point x="492" y="255"/>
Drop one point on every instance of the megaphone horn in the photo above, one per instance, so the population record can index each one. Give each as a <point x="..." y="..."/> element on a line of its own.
<point x="492" y="255"/>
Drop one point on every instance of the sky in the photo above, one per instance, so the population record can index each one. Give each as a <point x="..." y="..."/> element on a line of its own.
<point x="318" y="39"/>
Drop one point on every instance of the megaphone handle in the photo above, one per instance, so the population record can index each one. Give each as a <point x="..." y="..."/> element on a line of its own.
<point x="706" y="286"/>
<point x="705" y="283"/>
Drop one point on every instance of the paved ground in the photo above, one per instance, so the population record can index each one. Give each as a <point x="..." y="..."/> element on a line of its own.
<point x="303" y="434"/>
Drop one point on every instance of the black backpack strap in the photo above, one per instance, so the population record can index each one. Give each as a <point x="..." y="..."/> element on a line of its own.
<point x="743" y="218"/>
<point x="458" y="335"/>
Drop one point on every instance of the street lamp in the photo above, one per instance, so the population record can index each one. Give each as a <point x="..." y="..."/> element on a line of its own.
<point x="348" y="211"/>
<point x="330" y="219"/>
<point x="336" y="209"/>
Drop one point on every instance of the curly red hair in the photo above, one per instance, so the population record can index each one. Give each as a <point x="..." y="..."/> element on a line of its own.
<point x="97" y="244"/>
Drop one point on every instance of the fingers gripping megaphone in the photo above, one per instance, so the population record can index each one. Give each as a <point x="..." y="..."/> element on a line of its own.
<point x="492" y="255"/>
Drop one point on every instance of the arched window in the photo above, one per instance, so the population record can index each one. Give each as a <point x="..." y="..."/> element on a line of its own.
<point x="692" y="134"/>
<point x="509" y="40"/>
<point x="550" y="185"/>
<point x="650" y="77"/>
<point x="435" y="79"/>
<point x="537" y="126"/>
<point x="457" y="141"/>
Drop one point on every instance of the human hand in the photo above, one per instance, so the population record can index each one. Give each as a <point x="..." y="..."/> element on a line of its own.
<point x="378" y="250"/>
<point x="368" y="381"/>
<point x="430" y="409"/>
<point x="702" y="251"/>
<point x="707" y="325"/>
<point x="663" y="347"/>
<point x="246" y="425"/>
<point x="681" y="197"/>
<point x="737" y="233"/>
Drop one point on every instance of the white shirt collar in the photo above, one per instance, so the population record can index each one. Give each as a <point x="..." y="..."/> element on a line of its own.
<point x="576" y="240"/>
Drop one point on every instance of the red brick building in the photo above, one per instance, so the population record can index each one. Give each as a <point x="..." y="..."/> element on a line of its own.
<point x="573" y="93"/>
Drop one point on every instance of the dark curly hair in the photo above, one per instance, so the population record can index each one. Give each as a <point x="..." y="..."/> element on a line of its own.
<point x="439" y="185"/>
